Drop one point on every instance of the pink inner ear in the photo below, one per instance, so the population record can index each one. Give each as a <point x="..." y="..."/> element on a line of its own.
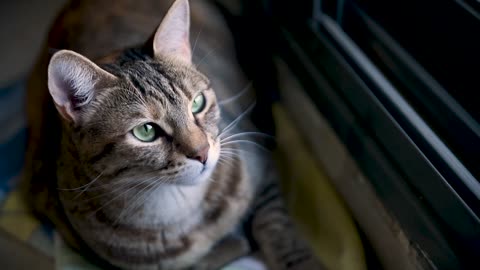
<point x="71" y="82"/>
<point x="172" y="38"/>
<point x="60" y="91"/>
<point x="65" y="112"/>
<point x="56" y="86"/>
<point x="60" y="87"/>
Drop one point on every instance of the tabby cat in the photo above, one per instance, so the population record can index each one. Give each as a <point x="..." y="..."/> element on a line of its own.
<point x="129" y="156"/>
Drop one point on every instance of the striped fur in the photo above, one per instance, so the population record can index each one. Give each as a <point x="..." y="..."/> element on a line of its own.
<point x="119" y="198"/>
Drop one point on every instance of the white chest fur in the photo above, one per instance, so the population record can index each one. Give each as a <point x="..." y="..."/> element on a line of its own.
<point x="171" y="205"/>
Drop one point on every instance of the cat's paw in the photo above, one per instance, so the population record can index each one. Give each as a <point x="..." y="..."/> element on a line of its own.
<point x="226" y="251"/>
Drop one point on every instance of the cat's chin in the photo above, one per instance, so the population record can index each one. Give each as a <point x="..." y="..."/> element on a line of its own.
<point x="198" y="176"/>
<point x="192" y="181"/>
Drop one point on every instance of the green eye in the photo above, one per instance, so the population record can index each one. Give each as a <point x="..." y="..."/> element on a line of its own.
<point x="198" y="104"/>
<point x="145" y="132"/>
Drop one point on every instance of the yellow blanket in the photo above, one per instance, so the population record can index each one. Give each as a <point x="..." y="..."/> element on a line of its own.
<point x="314" y="203"/>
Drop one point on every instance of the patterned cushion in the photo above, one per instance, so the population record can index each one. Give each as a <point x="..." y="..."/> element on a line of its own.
<point x="12" y="135"/>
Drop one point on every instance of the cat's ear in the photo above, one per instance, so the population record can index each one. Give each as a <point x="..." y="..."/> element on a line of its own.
<point x="172" y="38"/>
<point x="73" y="81"/>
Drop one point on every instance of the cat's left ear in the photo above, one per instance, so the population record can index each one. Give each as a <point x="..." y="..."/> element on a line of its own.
<point x="172" y="38"/>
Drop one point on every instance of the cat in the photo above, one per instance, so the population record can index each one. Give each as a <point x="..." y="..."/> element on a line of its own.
<point x="130" y="154"/>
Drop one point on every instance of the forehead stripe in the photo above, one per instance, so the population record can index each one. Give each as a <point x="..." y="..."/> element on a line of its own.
<point x="159" y="70"/>
<point x="137" y="84"/>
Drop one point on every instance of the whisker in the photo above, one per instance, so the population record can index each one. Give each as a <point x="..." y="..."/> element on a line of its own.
<point x="108" y="184"/>
<point x="138" y="198"/>
<point x="175" y="196"/>
<point x="237" y="151"/>
<point x="118" y="186"/>
<point x="207" y="55"/>
<point x="227" y="150"/>
<point x="228" y="159"/>
<point x="84" y="186"/>
<point x="231" y="154"/>
<point x="142" y="100"/>
<point x="119" y="195"/>
<point x="247" y="133"/>
<point x="212" y="180"/>
<point x="231" y="160"/>
<point x="132" y="204"/>
<point x="236" y="120"/>
<point x="238" y="95"/>
<point x="196" y="39"/>
<point x="152" y="190"/>
<point x="228" y="162"/>
<point x="180" y="191"/>
<point x="248" y="142"/>
<point x="225" y="162"/>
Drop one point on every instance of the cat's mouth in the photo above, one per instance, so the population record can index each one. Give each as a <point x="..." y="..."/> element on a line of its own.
<point x="198" y="172"/>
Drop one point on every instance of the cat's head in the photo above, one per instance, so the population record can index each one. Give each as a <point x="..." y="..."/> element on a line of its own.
<point x="143" y="112"/>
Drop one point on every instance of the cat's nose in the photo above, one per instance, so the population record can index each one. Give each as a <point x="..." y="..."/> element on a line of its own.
<point x="201" y="154"/>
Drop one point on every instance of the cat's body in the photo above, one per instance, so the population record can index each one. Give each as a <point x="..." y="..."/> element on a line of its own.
<point x="160" y="204"/>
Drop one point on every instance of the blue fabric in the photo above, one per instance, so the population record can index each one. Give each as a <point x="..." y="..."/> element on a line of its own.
<point x="12" y="135"/>
<point x="12" y="156"/>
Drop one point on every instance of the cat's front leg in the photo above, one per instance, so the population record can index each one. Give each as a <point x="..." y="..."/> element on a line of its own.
<point x="230" y="248"/>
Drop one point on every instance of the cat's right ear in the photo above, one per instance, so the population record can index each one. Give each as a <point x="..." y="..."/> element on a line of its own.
<point x="73" y="81"/>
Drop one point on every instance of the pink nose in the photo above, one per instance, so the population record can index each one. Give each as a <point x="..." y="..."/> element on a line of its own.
<point x="201" y="155"/>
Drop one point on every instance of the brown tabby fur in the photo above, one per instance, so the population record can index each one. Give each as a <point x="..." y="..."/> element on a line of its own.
<point x="64" y="158"/>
